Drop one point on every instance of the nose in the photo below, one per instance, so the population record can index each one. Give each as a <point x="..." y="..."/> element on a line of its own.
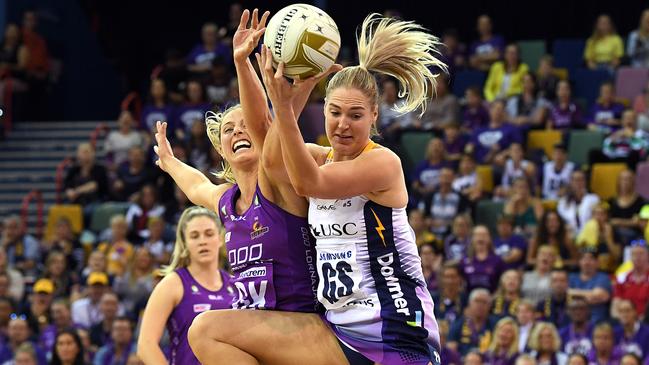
<point x="343" y="123"/>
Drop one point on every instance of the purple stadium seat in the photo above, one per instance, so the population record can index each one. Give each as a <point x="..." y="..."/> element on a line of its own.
<point x="642" y="176"/>
<point x="630" y="81"/>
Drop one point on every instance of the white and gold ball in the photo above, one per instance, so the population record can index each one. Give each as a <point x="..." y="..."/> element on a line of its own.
<point x="305" y="38"/>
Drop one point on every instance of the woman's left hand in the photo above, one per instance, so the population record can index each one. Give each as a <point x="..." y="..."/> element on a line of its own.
<point x="280" y="92"/>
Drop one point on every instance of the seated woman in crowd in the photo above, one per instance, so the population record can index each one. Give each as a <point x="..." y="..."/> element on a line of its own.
<point x="526" y="209"/>
<point x="545" y="344"/>
<point x="606" y="113"/>
<point x="628" y="144"/>
<point x="577" y="205"/>
<point x="456" y="244"/>
<point x="598" y="235"/>
<point x="604" y="49"/>
<point x="138" y="214"/>
<point x="536" y="282"/>
<point x="474" y="113"/>
<point x="547" y="78"/>
<point x="552" y="231"/>
<point x="508" y="294"/>
<point x="516" y="166"/>
<point x="564" y="114"/>
<point x="425" y="179"/>
<point x="467" y="181"/>
<point x="505" y="78"/>
<point x="527" y="109"/>
<point x="158" y="107"/>
<point x="625" y="207"/>
<point x="504" y="344"/>
<point x="482" y="267"/>
<point x="120" y="141"/>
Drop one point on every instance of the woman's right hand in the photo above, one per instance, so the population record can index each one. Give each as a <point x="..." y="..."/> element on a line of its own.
<point x="246" y="37"/>
<point x="162" y="147"/>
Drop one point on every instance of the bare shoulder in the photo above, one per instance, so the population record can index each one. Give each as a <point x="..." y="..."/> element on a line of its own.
<point x="319" y="153"/>
<point x="171" y="287"/>
<point x="388" y="159"/>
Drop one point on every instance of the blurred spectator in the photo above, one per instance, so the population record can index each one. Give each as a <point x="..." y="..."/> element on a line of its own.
<point x="25" y="355"/>
<point x="482" y="267"/>
<point x="577" y="359"/>
<point x="450" y="298"/>
<point x="217" y="85"/>
<point x="604" y="48"/>
<point x="390" y="122"/>
<point x="199" y="146"/>
<point x="556" y="173"/>
<point x="68" y="349"/>
<point x="453" y="51"/>
<point x="637" y="46"/>
<point x="525" y="359"/>
<point x="66" y="242"/>
<point x="536" y="282"/>
<point x="4" y="285"/>
<point x="577" y="205"/>
<point x="552" y="231"/>
<point x="85" y="311"/>
<point x="454" y="142"/>
<point x="16" y="280"/>
<point x="100" y="332"/>
<point x="443" y="109"/>
<point x="174" y="75"/>
<point x="199" y="60"/>
<point x="157" y="244"/>
<point x="527" y="109"/>
<point x="592" y="285"/>
<point x="119" y="142"/>
<point x="133" y="175"/>
<point x="37" y="305"/>
<point x="553" y="308"/>
<point x="146" y="206"/>
<point x="635" y="287"/>
<point x="545" y="344"/>
<point x="631" y="359"/>
<point x="488" y="48"/>
<point x="564" y="113"/>
<point x="37" y="67"/>
<point x="18" y="334"/>
<point x="416" y="219"/>
<point x="508" y="295"/>
<point x="629" y="144"/>
<point x="598" y="236"/>
<point x="14" y="54"/>
<point x="456" y="245"/>
<point x="86" y="181"/>
<point x="20" y="247"/>
<point x="490" y="144"/>
<point x="606" y="113"/>
<point x="576" y="336"/>
<point x="510" y="247"/>
<point x="444" y="205"/>
<point x="641" y="103"/>
<point x="631" y="334"/>
<point x="516" y="167"/>
<point x="61" y="320"/>
<point x="430" y="263"/>
<point x="136" y="283"/>
<point x="97" y="262"/>
<point x="474" y="329"/>
<point x="234" y="18"/>
<point x="118" y="249"/>
<point x="121" y="347"/>
<point x="427" y="173"/>
<point x="7" y="307"/>
<point x="467" y="181"/>
<point x="450" y="357"/>
<point x="604" y="350"/>
<point x="474" y="357"/>
<point x="625" y="207"/>
<point x="506" y="77"/>
<point x="474" y="113"/>
<point x="157" y="107"/>
<point x="175" y="207"/>
<point x="524" y="207"/>
<point x="64" y="278"/>
<point x="547" y="78"/>
<point x="525" y="319"/>
<point x="192" y="110"/>
<point x="504" y="344"/>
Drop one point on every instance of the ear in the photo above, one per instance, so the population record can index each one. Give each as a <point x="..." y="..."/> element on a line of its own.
<point x="375" y="113"/>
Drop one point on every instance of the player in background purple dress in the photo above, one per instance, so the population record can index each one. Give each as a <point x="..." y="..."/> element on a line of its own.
<point x="192" y="284"/>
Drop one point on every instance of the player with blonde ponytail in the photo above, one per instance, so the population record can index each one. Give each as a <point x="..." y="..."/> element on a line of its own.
<point x="371" y="282"/>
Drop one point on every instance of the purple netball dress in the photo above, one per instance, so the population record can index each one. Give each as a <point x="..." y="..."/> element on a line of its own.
<point x="272" y="255"/>
<point x="196" y="299"/>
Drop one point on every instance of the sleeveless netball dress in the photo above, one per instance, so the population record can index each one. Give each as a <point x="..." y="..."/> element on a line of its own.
<point x="196" y="299"/>
<point x="371" y="282"/>
<point x="271" y="254"/>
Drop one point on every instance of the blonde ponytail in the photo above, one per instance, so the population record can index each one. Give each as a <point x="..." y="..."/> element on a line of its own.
<point x="213" y="122"/>
<point x="401" y="49"/>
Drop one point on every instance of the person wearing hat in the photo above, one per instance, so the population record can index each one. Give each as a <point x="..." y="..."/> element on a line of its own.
<point x="556" y="173"/>
<point x="37" y="308"/>
<point x="85" y="311"/>
<point x="591" y="284"/>
<point x="635" y="287"/>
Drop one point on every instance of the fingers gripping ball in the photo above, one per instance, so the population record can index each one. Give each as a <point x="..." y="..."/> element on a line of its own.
<point x="305" y="38"/>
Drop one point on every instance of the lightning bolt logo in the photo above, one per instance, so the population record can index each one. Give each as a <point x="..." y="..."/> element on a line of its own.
<point x="379" y="227"/>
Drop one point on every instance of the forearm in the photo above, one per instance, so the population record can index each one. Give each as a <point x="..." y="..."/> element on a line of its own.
<point x="252" y="95"/>
<point x="150" y="353"/>
<point x="89" y="187"/>
<point x="187" y="178"/>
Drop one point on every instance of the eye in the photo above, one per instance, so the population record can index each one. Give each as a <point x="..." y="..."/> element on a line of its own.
<point x="209" y="233"/>
<point x="193" y="235"/>
<point x="357" y="116"/>
<point x="335" y="113"/>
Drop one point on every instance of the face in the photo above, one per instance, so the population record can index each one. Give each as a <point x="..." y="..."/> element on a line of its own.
<point x="629" y="360"/>
<point x="480" y="305"/>
<point x="24" y="358"/>
<point x="194" y="92"/>
<point x="524" y="314"/>
<point x="349" y="117"/>
<point x="416" y="220"/>
<point x="484" y="24"/>
<point x="119" y="229"/>
<point x="627" y="312"/>
<point x="511" y="54"/>
<point x="63" y="230"/>
<point x="85" y="154"/>
<point x="545" y="259"/>
<point x="472" y="98"/>
<point x="136" y="156"/>
<point x="446" y="177"/>
<point x="435" y="147"/>
<point x="563" y="90"/>
<point x="125" y="120"/>
<point x="451" y="278"/>
<point x="506" y="335"/>
<point x="626" y="181"/>
<point x="97" y="261"/>
<point x="236" y="144"/>
<point x="578" y="311"/>
<point x="158" y="89"/>
<point x="121" y="332"/>
<point x="202" y="239"/>
<point x="511" y="281"/>
<point x="639" y="257"/>
<point x="460" y="227"/>
<point x="576" y="360"/>
<point x="644" y="21"/>
<point x="472" y="359"/>
<point x="18" y="330"/>
<point x="578" y="181"/>
<point x="30" y="20"/>
<point x="60" y="314"/>
<point x="504" y="228"/>
<point x="96" y="291"/>
<point x="143" y="259"/>
<point x="516" y="152"/>
<point x="467" y="165"/>
<point x="156" y="228"/>
<point x="389" y="92"/>
<point x="606" y="93"/>
<point x="57" y="264"/>
<point x="12" y="33"/>
<point x="604" y="24"/>
<point x="4" y="285"/>
<point x="5" y="311"/>
<point x="209" y="34"/>
<point x="148" y="197"/>
<point x="481" y="237"/>
<point x="427" y="256"/>
<point x="66" y="347"/>
<point x="629" y="119"/>
<point x="603" y="339"/>
<point x="588" y="263"/>
<point x="528" y="83"/>
<point x="497" y="112"/>
<point x="451" y="133"/>
<point x="559" y="156"/>
<point x="109" y="305"/>
<point x="552" y="222"/>
<point x="559" y="282"/>
<point x="546" y="339"/>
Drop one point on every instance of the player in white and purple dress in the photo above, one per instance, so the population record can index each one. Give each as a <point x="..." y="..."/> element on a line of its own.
<point x="371" y="281"/>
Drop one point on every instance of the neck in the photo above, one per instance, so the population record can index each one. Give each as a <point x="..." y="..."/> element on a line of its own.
<point x="340" y="157"/>
<point x="479" y="320"/>
<point x="511" y="295"/>
<point x="629" y="328"/>
<point x="481" y="254"/>
<point x="450" y="292"/>
<point x="587" y="274"/>
<point x="580" y="326"/>
<point x="247" y="182"/>
<point x="204" y="273"/>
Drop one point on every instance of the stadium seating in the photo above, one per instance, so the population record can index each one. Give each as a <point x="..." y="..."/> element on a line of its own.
<point x="630" y="81"/>
<point x="414" y="145"/>
<point x="486" y="174"/>
<point x="581" y="142"/>
<point x="642" y="179"/>
<point x="102" y="214"/>
<point x="568" y="53"/>
<point x="487" y="213"/>
<point x="531" y="52"/>
<point x="603" y="179"/>
<point x="466" y="78"/>
<point x="587" y="83"/>
<point x="72" y="212"/>
<point x="543" y="139"/>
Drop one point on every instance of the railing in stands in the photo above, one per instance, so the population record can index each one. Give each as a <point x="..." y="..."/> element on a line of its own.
<point x="100" y="130"/>
<point x="60" y="170"/>
<point x="133" y="100"/>
<point x="38" y="196"/>
<point x="8" y="101"/>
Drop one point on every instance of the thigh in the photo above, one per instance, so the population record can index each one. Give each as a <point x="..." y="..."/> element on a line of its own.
<point x="274" y="337"/>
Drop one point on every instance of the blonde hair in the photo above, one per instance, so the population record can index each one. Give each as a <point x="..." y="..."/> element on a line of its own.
<point x="513" y="347"/>
<point x="213" y="122"/>
<point x="180" y="255"/>
<point x="401" y="49"/>
<point x="533" y="342"/>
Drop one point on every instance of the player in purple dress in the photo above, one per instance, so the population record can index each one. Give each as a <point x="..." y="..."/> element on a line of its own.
<point x="192" y="284"/>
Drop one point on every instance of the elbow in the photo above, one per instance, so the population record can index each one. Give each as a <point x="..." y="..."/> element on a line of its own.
<point x="302" y="190"/>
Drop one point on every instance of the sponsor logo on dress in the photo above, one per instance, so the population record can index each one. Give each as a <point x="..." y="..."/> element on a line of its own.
<point x="227" y="236"/>
<point x="258" y="230"/>
<point x="254" y="272"/>
<point x="195" y="289"/>
<point x="215" y="297"/>
<point x="199" y="308"/>
<point x="336" y="229"/>
<point x="393" y="284"/>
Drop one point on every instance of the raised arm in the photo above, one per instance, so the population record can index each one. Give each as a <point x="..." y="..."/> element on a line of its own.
<point x="198" y="188"/>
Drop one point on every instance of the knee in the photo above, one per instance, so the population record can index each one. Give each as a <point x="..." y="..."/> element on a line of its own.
<point x="197" y="330"/>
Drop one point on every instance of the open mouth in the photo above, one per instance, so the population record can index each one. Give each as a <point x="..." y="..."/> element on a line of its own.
<point x="241" y="145"/>
<point x="203" y="251"/>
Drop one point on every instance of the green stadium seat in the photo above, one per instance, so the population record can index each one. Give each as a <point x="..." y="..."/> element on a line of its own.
<point x="102" y="214"/>
<point x="487" y="213"/>
<point x="531" y="52"/>
<point x="414" y="146"/>
<point x="581" y="142"/>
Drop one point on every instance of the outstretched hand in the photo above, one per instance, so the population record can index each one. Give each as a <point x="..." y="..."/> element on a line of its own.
<point x="247" y="36"/>
<point x="280" y="92"/>
<point x="162" y="147"/>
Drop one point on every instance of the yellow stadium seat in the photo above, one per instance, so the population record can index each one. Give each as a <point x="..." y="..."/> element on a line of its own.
<point x="543" y="139"/>
<point x="486" y="174"/>
<point x="549" y="205"/>
<point x="561" y="73"/>
<point x="603" y="179"/>
<point x="72" y="212"/>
